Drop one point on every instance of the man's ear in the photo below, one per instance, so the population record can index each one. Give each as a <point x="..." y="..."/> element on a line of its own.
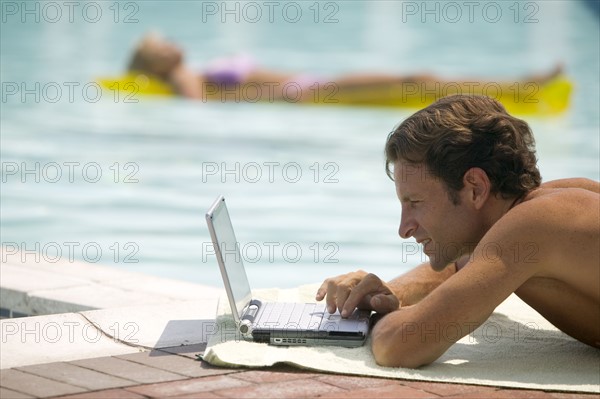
<point x="477" y="187"/>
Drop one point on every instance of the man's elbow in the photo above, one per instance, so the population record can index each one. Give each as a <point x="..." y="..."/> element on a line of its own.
<point x="394" y="349"/>
<point x="388" y="356"/>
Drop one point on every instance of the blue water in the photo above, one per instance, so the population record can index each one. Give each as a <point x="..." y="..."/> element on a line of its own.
<point x="127" y="184"/>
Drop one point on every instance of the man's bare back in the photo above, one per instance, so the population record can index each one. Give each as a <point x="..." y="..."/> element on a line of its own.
<point x="566" y="290"/>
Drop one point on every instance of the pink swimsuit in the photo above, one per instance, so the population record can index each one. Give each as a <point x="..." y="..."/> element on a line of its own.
<point x="230" y="70"/>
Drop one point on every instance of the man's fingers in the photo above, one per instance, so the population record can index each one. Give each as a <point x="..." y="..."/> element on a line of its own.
<point x="343" y="291"/>
<point x="322" y="291"/>
<point x="331" y="296"/>
<point x="384" y="303"/>
<point x="369" y="285"/>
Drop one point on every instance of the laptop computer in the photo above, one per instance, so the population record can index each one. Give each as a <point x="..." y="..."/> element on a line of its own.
<point x="276" y="323"/>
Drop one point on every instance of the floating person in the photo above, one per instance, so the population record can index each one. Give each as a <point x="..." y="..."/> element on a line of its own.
<point x="157" y="66"/>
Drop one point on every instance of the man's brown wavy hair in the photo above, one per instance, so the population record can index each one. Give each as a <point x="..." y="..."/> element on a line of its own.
<point x="460" y="132"/>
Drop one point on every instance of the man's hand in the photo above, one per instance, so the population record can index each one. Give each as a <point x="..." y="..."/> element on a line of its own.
<point x="357" y="289"/>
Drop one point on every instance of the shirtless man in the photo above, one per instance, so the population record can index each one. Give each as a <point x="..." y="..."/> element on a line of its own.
<point x="470" y="192"/>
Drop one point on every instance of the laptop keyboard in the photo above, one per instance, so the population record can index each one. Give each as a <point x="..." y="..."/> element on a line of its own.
<point x="303" y="316"/>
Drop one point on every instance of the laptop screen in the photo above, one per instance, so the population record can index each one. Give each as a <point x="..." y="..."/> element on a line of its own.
<point x="228" y="252"/>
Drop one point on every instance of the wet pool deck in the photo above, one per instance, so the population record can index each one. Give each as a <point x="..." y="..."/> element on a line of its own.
<point x="117" y="334"/>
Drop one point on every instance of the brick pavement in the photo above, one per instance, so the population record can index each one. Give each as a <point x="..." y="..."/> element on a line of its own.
<point x="175" y="372"/>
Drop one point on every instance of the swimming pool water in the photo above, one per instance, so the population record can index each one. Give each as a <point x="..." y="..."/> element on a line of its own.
<point x="127" y="184"/>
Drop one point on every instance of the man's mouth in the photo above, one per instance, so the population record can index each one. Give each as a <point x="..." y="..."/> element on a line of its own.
<point x="424" y="242"/>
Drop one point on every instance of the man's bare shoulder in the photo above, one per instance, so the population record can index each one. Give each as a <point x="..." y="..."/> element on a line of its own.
<point x="559" y="222"/>
<point x="561" y="205"/>
<point x="586" y="184"/>
<point x="566" y="200"/>
<point x="553" y="227"/>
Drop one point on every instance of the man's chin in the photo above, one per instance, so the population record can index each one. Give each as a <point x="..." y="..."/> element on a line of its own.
<point x="436" y="264"/>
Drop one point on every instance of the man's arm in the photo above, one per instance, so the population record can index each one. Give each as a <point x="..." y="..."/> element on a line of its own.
<point x="414" y="335"/>
<point x="366" y="291"/>
<point x="419" y="282"/>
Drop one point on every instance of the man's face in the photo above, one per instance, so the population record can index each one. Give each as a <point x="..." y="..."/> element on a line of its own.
<point x="446" y="231"/>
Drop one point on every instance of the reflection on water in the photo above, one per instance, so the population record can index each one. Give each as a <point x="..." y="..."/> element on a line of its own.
<point x="127" y="184"/>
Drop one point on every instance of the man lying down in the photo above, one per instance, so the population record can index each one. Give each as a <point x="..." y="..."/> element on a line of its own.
<point x="470" y="192"/>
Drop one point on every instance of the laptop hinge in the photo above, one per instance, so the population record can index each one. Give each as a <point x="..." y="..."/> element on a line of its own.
<point x="251" y="310"/>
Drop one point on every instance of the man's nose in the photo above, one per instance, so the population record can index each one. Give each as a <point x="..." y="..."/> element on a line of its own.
<point x="407" y="226"/>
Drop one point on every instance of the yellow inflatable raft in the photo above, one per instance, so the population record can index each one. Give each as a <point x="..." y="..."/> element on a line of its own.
<point x="525" y="98"/>
<point x="136" y="84"/>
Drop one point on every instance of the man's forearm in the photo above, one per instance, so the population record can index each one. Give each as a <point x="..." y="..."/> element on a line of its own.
<point x="416" y="284"/>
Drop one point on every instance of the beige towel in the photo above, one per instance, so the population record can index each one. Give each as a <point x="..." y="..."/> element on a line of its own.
<point x="516" y="347"/>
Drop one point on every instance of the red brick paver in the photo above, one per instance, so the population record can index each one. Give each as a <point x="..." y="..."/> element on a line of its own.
<point x="391" y="390"/>
<point x="513" y="393"/>
<point x="571" y="395"/>
<point x="281" y="373"/>
<point x="196" y="385"/>
<point x="9" y="393"/>
<point x="353" y="382"/>
<point x="77" y="376"/>
<point x="130" y="370"/>
<point x="175" y="373"/>
<point x="107" y="394"/>
<point x="173" y="364"/>
<point x="450" y="390"/>
<point x="33" y="385"/>
<point x="306" y="388"/>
